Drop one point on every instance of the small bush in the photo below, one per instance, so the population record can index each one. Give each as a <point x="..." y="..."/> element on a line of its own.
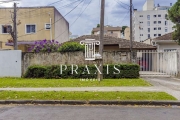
<point x="45" y="46"/>
<point x="71" y="47"/>
<point x="35" y="72"/>
<point x="49" y="72"/>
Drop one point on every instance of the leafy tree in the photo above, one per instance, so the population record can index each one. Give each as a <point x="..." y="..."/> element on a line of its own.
<point x="98" y="25"/>
<point x="123" y="29"/>
<point x="174" y="16"/>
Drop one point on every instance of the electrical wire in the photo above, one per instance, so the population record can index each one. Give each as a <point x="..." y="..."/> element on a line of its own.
<point x="56" y="20"/>
<point x="75" y="19"/>
<point x="121" y="5"/>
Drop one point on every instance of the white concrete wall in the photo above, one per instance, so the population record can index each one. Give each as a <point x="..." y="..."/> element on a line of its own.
<point x="10" y="63"/>
<point x="162" y="47"/>
<point x="148" y="5"/>
<point x="61" y="28"/>
<point x="144" y="25"/>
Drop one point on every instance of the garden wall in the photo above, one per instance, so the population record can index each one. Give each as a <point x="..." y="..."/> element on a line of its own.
<point x="68" y="58"/>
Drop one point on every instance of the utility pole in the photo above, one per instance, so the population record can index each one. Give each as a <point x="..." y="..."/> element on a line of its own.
<point x="131" y="29"/>
<point x="101" y="46"/>
<point x="15" y="28"/>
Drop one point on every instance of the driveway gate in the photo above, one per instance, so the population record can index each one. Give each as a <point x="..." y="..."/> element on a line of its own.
<point x="160" y="62"/>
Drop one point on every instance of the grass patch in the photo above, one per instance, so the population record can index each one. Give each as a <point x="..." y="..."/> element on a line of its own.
<point x="22" y="82"/>
<point x="62" y="95"/>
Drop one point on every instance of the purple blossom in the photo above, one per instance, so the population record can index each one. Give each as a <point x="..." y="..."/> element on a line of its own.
<point x="45" y="46"/>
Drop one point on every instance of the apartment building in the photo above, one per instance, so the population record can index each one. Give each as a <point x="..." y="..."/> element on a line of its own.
<point x="109" y="31"/>
<point x="151" y="22"/>
<point x="33" y="24"/>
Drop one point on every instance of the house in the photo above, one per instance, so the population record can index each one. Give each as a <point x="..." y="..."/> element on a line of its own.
<point x="108" y="30"/>
<point x="165" y="43"/>
<point x="127" y="33"/>
<point x="148" y="41"/>
<point x="33" y="24"/>
<point x="151" y="22"/>
<point x="117" y="44"/>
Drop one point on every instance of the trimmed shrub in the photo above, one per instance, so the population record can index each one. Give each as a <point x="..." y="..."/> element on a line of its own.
<point x="71" y="47"/>
<point x="54" y="71"/>
<point x="35" y="72"/>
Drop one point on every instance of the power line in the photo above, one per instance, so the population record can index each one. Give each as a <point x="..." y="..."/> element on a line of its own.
<point x="121" y="5"/>
<point x="75" y="20"/>
<point x="45" y="6"/>
<point x="55" y="2"/>
<point x="124" y="3"/>
<point x="35" y="9"/>
<point x="124" y="17"/>
<point x="57" y="20"/>
<point x="43" y="13"/>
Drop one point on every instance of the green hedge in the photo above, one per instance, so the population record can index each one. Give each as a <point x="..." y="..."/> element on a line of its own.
<point x="126" y="71"/>
<point x="71" y="47"/>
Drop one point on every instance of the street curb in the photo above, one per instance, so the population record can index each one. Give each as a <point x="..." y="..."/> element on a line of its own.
<point x="91" y="102"/>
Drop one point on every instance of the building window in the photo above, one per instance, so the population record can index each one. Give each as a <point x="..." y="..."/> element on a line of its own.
<point x="168" y="50"/>
<point x="148" y="29"/>
<point x="159" y="22"/>
<point x="140" y="15"/>
<point x="30" y="28"/>
<point x="140" y="22"/>
<point x="155" y="22"/>
<point x="154" y="15"/>
<point x="148" y="23"/>
<point x="165" y="22"/>
<point x="159" y="34"/>
<point x="166" y="30"/>
<point x="155" y="28"/>
<point x="149" y="36"/>
<point x="141" y="34"/>
<point x="6" y="29"/>
<point x="148" y="17"/>
<point x="159" y="15"/>
<point x="155" y="35"/>
<point x="47" y="26"/>
<point x="159" y="28"/>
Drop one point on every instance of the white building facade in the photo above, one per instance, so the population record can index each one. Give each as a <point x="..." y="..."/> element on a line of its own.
<point x="151" y="22"/>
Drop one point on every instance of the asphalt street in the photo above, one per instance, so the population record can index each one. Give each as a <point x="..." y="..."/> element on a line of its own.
<point x="50" y="112"/>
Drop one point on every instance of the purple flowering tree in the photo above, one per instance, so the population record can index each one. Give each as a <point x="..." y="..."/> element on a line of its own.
<point x="45" y="46"/>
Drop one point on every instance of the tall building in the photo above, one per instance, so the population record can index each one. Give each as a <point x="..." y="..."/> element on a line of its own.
<point x="151" y="22"/>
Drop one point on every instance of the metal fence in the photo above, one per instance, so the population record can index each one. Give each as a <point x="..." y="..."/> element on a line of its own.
<point x="160" y="62"/>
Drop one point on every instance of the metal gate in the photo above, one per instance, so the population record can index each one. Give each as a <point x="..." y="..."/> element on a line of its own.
<point x="159" y="62"/>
